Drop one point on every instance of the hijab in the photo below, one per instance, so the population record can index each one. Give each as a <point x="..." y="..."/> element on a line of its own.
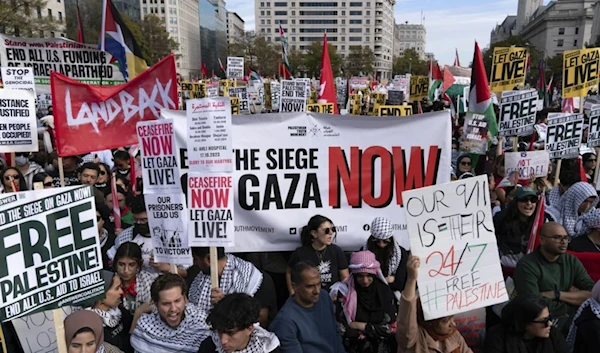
<point x="457" y="171"/>
<point x="84" y="319"/>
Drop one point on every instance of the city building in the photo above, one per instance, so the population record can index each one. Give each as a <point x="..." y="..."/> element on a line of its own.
<point x="235" y="27"/>
<point x="526" y="9"/>
<point x="348" y="24"/>
<point x="412" y="36"/>
<point x="396" y="43"/>
<point x="181" y="21"/>
<point x="213" y="34"/>
<point x="130" y="8"/>
<point x="505" y="30"/>
<point x="54" y="9"/>
<point x="430" y="56"/>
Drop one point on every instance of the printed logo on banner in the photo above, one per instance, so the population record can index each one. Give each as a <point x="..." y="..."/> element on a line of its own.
<point x="517" y="112"/>
<point x="580" y="72"/>
<point x="56" y="260"/>
<point x="160" y="172"/>
<point x="594" y="127"/>
<point x="563" y="136"/>
<point x="18" y="123"/>
<point x="235" y="67"/>
<point x="527" y="164"/>
<point x="242" y="94"/>
<point x="293" y="96"/>
<point x="509" y="67"/>
<point x="450" y="228"/>
<point x="18" y="78"/>
<point x="209" y="135"/>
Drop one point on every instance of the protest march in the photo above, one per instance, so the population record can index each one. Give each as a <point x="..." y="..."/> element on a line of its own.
<point x="454" y="210"/>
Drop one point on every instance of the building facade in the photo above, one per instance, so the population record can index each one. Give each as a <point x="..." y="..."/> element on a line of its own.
<point x="235" y="27"/>
<point x="130" y="8"/>
<point x="213" y="34"/>
<point x="181" y="21"/>
<point x="525" y="11"/>
<point x="412" y="36"/>
<point x="505" y="30"/>
<point x="347" y="23"/>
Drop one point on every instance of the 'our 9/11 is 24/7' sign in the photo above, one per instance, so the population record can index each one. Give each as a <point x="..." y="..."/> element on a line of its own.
<point x="451" y="229"/>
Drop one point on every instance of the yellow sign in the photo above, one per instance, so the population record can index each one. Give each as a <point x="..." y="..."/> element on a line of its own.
<point x="356" y="100"/>
<point x="395" y="110"/>
<point x="580" y="72"/>
<point x="312" y="99"/>
<point x="323" y="108"/>
<point x="195" y="89"/>
<point x="268" y="97"/>
<point x="509" y="68"/>
<point x="419" y="87"/>
<point x="235" y="105"/>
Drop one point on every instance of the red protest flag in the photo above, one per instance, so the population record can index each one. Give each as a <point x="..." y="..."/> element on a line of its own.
<point x="204" y="70"/>
<point x="90" y="118"/>
<point x="327" y="84"/>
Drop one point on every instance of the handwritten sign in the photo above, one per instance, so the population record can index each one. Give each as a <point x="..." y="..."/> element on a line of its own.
<point x="563" y="136"/>
<point x="160" y="172"/>
<point x="528" y="164"/>
<point x="36" y="332"/>
<point x="517" y="112"/>
<point x="451" y="229"/>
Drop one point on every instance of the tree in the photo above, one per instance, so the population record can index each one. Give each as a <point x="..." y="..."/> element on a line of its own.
<point x="24" y="18"/>
<point x="295" y="58"/>
<point x="555" y="66"/>
<point x="258" y="53"/>
<point x="91" y="18"/>
<point x="360" y="59"/>
<point x="312" y="59"/>
<point x="410" y="63"/>
<point x="156" y="42"/>
<point x="243" y="45"/>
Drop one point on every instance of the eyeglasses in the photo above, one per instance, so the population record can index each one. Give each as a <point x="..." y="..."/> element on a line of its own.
<point x="558" y="238"/>
<point x="329" y="230"/>
<point x="545" y="321"/>
<point x="465" y="163"/>
<point x="9" y="177"/>
<point x="531" y="199"/>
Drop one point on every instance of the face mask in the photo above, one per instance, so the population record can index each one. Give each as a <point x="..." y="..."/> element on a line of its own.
<point x="21" y="160"/>
<point x="142" y="229"/>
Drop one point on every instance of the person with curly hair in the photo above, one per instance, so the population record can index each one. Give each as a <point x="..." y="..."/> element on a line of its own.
<point x="234" y="327"/>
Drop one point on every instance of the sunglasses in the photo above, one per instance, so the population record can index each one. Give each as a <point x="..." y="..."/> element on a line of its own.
<point x="545" y="321"/>
<point x="531" y="199"/>
<point x="9" y="177"/>
<point x="330" y="230"/>
<point x="387" y="241"/>
<point x="465" y="163"/>
<point x="49" y="184"/>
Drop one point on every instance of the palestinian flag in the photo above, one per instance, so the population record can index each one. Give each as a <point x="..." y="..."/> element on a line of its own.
<point x="480" y="97"/>
<point x="435" y="80"/>
<point x="455" y="80"/>
<point x="221" y="67"/>
<point x="254" y="76"/>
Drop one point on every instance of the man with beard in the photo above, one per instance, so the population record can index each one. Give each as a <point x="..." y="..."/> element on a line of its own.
<point x="558" y="277"/>
<point x="175" y="326"/>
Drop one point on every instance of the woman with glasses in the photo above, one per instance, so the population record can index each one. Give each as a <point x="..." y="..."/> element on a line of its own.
<point x="388" y="252"/>
<point x="103" y="181"/>
<point x="463" y="165"/>
<point x="317" y="248"/>
<point x="589" y="161"/>
<point x="12" y="180"/>
<point x="43" y="178"/>
<point x="576" y="201"/>
<point x="527" y="326"/>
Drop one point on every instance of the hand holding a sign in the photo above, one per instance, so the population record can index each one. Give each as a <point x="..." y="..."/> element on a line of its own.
<point x="412" y="269"/>
<point x="216" y="294"/>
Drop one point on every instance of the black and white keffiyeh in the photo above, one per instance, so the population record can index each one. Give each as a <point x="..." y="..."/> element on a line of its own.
<point x="143" y="282"/>
<point x="261" y="341"/>
<point x="566" y="210"/>
<point x="110" y="318"/>
<point x="587" y="222"/>
<point x="396" y="257"/>
<point x="594" y="306"/>
<point x="152" y="335"/>
<point x="382" y="229"/>
<point x="238" y="276"/>
<point x="553" y="196"/>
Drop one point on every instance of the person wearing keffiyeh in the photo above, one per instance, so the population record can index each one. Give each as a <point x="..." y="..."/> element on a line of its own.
<point x="583" y="333"/>
<point x="388" y="252"/>
<point x="135" y="282"/>
<point x="175" y="326"/>
<point x="587" y="230"/>
<point x="579" y="199"/>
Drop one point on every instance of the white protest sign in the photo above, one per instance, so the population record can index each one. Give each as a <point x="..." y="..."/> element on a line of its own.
<point x="18" y="126"/>
<point x="36" y="332"/>
<point x="18" y="78"/>
<point x="563" y="136"/>
<point x="168" y="218"/>
<point x="450" y="228"/>
<point x="212" y="91"/>
<point x="275" y="92"/>
<point x="594" y="127"/>
<point x="293" y="96"/>
<point x="242" y="94"/>
<point x="235" y="67"/>
<point x="517" y="112"/>
<point x="50" y="239"/>
<point x="528" y="164"/>
<point x="210" y="199"/>
<point x="209" y="135"/>
<point x="159" y="163"/>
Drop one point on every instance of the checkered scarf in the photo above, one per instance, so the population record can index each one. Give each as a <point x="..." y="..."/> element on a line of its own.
<point x="566" y="211"/>
<point x="587" y="222"/>
<point x="110" y="318"/>
<point x="594" y="306"/>
<point x="553" y="196"/>
<point x="261" y="341"/>
<point x="143" y="282"/>
<point x="238" y="276"/>
<point x="394" y="261"/>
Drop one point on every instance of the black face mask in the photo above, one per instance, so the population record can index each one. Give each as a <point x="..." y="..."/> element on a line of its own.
<point x="142" y="229"/>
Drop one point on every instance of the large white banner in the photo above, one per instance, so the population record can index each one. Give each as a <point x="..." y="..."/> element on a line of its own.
<point x="289" y="167"/>
<point x="49" y="251"/>
<point x="82" y="62"/>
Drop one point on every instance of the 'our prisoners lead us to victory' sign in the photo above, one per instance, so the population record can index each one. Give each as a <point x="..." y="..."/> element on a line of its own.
<point x="50" y="240"/>
<point x="450" y="228"/>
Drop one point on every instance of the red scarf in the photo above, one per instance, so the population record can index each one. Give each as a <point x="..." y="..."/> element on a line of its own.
<point x="130" y="289"/>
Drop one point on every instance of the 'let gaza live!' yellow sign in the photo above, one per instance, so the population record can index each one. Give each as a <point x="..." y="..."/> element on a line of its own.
<point x="509" y="68"/>
<point x="580" y="72"/>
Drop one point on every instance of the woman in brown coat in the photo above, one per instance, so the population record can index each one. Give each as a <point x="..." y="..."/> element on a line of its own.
<point x="413" y="333"/>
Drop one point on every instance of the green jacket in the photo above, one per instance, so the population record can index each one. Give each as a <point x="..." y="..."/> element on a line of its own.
<point x="534" y="274"/>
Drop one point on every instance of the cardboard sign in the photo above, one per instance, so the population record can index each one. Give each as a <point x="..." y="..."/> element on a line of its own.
<point x="580" y="72"/>
<point x="594" y="127"/>
<point x="168" y="218"/>
<point x="235" y="68"/>
<point x="419" y="87"/>
<point x="36" y="332"/>
<point x="517" y="112"/>
<point x="160" y="172"/>
<point x="563" y="136"/>
<point x="509" y="68"/>
<point x="50" y="254"/>
<point x="293" y="97"/>
<point x="450" y="228"/>
<point x="18" y="123"/>
<point x="475" y="134"/>
<point x="323" y="108"/>
<point x="394" y="110"/>
<point x="210" y="199"/>
<point x="18" y="78"/>
<point x="242" y="94"/>
<point x="527" y="164"/>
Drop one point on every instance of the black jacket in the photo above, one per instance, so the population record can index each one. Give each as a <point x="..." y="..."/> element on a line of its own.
<point x="499" y="340"/>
